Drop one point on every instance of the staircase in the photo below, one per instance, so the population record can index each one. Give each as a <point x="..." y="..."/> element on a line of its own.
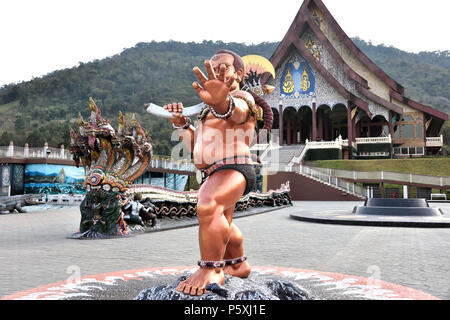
<point x="333" y="182"/>
<point x="284" y="164"/>
<point x="284" y="154"/>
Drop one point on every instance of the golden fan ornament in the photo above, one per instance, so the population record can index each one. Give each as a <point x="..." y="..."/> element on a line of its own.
<point x="254" y="68"/>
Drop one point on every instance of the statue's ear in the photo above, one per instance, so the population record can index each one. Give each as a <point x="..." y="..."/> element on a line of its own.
<point x="240" y="74"/>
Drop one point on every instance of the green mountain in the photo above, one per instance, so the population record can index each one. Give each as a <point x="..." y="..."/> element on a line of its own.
<point x="41" y="110"/>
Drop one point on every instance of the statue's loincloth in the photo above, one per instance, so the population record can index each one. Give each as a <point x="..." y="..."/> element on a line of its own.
<point x="247" y="170"/>
<point x="242" y="164"/>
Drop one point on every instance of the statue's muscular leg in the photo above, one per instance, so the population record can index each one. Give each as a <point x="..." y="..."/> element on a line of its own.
<point x="219" y="193"/>
<point x="235" y="249"/>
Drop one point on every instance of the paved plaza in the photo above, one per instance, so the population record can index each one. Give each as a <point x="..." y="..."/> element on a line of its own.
<point x="35" y="250"/>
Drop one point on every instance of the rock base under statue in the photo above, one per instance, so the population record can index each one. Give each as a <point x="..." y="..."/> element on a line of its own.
<point x="252" y="288"/>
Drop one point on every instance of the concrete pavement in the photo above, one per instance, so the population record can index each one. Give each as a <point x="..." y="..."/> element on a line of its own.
<point x="34" y="249"/>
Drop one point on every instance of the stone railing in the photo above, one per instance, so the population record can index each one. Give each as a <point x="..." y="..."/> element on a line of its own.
<point x="324" y="177"/>
<point x="329" y="179"/>
<point x="26" y="152"/>
<point x="298" y="159"/>
<point x="388" y="176"/>
<point x="13" y="151"/>
<point x="374" y="140"/>
<point x="338" y="143"/>
<point x="162" y="162"/>
<point x="435" y="141"/>
<point x="271" y="147"/>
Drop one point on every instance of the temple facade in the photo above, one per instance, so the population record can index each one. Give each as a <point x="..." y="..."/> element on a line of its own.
<point x="334" y="102"/>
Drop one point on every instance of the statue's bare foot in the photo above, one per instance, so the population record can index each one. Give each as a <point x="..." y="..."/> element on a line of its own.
<point x="241" y="270"/>
<point x="195" y="285"/>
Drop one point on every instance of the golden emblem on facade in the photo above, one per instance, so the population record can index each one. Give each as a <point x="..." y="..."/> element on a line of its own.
<point x="312" y="46"/>
<point x="305" y="83"/>
<point x="288" y="83"/>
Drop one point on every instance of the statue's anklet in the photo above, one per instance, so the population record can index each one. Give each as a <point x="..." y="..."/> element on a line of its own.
<point x="211" y="264"/>
<point x="230" y="262"/>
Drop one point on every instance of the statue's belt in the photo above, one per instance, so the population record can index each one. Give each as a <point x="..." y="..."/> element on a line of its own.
<point x="202" y="174"/>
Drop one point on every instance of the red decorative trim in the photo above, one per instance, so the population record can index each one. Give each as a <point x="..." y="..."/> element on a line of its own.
<point x="379" y="100"/>
<point x="375" y="289"/>
<point x="418" y="106"/>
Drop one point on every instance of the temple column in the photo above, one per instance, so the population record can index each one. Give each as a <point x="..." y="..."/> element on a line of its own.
<point x="314" y="122"/>
<point x="294" y="129"/>
<point x="424" y="136"/>
<point x="280" y="121"/>
<point x="288" y="132"/>
<point x="320" y="126"/>
<point x="391" y="127"/>
<point x="349" y="123"/>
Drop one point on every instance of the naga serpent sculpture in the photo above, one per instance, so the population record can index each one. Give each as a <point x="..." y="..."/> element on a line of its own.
<point x="112" y="160"/>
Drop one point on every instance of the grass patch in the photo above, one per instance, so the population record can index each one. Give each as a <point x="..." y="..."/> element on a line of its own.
<point x="425" y="166"/>
<point x="9" y="106"/>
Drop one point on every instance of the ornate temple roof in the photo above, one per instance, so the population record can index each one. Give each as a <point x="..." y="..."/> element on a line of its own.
<point x="370" y="81"/>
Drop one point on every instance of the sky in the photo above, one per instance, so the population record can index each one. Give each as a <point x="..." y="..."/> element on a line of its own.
<point x="39" y="37"/>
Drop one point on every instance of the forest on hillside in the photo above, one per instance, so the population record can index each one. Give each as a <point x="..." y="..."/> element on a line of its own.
<point x="41" y="110"/>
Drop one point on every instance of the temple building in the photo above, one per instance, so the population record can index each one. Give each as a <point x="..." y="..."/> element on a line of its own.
<point x="333" y="102"/>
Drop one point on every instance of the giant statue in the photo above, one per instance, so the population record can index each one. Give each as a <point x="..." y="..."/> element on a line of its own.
<point x="220" y="146"/>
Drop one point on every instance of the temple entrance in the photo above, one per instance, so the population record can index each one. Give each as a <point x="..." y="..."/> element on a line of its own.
<point x="297" y="125"/>
<point x="339" y="122"/>
<point x="324" y="132"/>
<point x="304" y="116"/>
<point x="290" y="126"/>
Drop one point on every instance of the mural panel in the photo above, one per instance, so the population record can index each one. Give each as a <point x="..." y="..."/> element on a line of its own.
<point x="17" y="181"/>
<point x="5" y="176"/>
<point x="5" y="180"/>
<point x="54" y="179"/>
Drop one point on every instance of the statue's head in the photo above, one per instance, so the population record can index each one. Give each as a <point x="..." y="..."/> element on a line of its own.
<point x="233" y="63"/>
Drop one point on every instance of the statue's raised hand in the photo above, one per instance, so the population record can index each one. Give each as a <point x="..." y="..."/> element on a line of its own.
<point x="214" y="89"/>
